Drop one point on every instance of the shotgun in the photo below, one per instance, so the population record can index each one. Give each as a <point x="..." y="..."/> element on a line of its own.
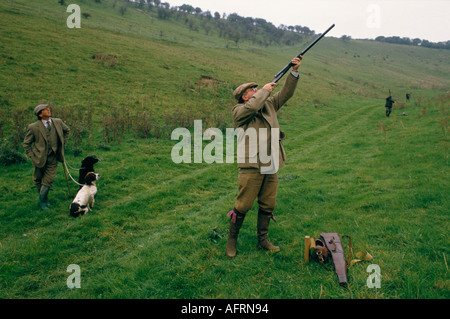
<point x="280" y="74"/>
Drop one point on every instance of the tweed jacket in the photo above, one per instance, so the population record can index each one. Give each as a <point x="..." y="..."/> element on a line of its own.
<point x="35" y="142"/>
<point x="261" y="112"/>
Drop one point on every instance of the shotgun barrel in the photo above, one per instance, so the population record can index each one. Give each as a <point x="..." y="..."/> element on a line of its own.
<point x="280" y="74"/>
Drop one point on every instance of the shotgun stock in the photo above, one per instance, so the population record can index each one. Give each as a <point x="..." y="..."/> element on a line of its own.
<point x="280" y="74"/>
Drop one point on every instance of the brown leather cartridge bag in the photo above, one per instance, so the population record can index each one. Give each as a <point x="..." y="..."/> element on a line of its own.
<point x="321" y="251"/>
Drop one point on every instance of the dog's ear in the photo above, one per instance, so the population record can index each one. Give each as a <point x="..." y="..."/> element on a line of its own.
<point x="89" y="178"/>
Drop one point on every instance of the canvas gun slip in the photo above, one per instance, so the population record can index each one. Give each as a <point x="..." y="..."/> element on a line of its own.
<point x="280" y="74"/>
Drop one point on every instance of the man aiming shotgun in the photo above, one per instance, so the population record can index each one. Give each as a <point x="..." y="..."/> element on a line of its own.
<point x="257" y="110"/>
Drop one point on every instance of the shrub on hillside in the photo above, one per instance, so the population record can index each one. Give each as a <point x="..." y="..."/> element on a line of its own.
<point x="9" y="155"/>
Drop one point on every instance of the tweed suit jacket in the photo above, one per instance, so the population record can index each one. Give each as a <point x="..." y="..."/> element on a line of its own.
<point x="261" y="112"/>
<point x="35" y="142"/>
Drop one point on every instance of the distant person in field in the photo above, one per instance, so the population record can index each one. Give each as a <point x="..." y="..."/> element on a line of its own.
<point x="388" y="105"/>
<point x="408" y="96"/>
<point x="44" y="145"/>
<point x="256" y="109"/>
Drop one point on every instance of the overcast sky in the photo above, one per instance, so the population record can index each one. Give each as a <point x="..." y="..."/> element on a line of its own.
<point x="360" y="19"/>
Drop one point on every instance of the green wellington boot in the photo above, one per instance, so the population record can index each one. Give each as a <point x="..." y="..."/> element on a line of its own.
<point x="43" y="197"/>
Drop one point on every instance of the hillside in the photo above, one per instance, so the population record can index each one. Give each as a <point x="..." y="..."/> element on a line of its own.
<point x="123" y="82"/>
<point x="158" y="64"/>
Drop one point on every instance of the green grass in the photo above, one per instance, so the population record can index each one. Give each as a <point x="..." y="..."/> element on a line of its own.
<point x="159" y="229"/>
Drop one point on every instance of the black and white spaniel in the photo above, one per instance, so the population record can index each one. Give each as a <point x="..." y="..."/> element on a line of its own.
<point x="84" y="201"/>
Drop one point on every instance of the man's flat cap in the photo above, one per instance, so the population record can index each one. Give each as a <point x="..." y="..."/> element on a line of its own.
<point x="240" y="90"/>
<point x="39" y="108"/>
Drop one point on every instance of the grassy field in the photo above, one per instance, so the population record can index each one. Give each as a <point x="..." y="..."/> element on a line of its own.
<point x="159" y="229"/>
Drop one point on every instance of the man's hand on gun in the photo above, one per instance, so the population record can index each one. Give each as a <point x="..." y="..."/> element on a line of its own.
<point x="296" y="62"/>
<point x="295" y="65"/>
<point x="270" y="86"/>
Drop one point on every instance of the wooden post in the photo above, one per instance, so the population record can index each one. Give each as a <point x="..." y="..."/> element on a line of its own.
<point x="307" y="246"/>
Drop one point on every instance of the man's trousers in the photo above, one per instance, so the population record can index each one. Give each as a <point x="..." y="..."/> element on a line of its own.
<point x="46" y="175"/>
<point x="252" y="185"/>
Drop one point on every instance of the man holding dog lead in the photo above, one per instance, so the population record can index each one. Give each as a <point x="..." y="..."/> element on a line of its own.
<point x="44" y="145"/>
<point x="256" y="109"/>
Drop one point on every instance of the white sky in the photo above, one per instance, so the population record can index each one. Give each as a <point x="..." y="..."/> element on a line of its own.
<point x="366" y="19"/>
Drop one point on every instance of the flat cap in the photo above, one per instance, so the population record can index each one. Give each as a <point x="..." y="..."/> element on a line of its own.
<point x="39" y="108"/>
<point x="240" y="90"/>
